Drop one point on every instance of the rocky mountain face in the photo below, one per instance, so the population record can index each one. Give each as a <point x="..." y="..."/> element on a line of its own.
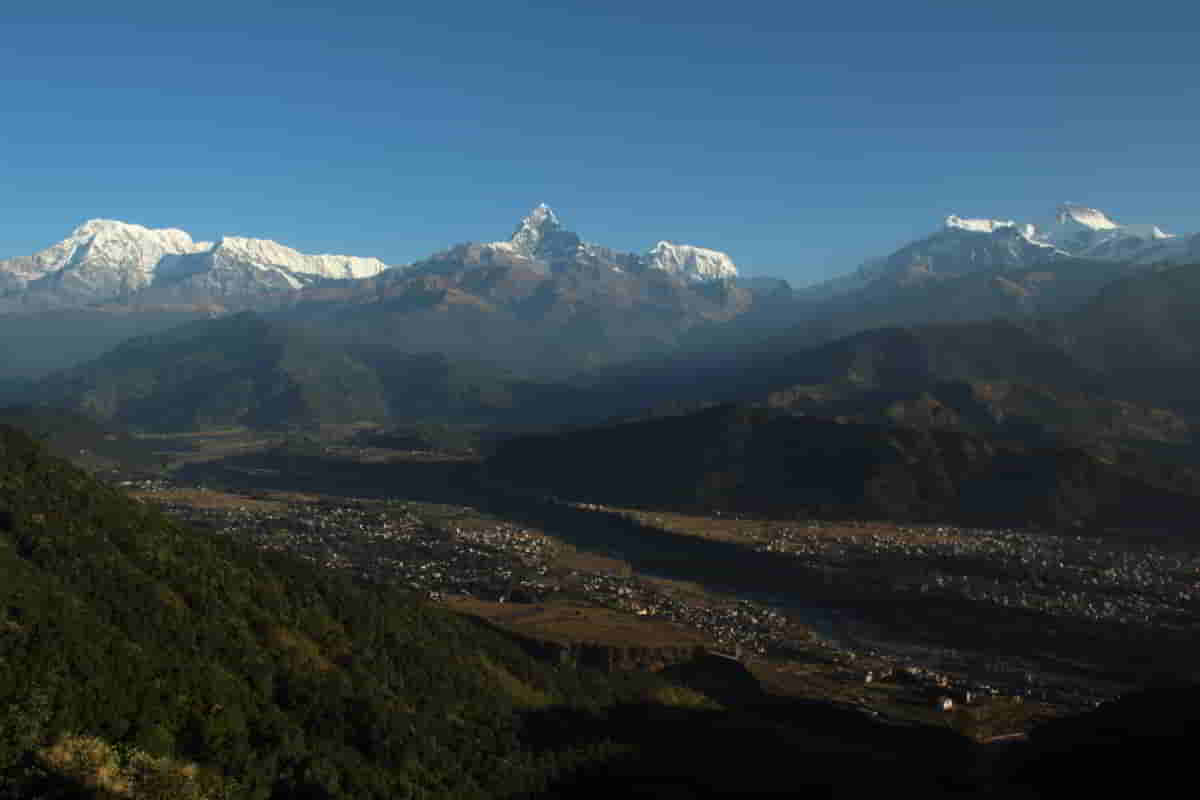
<point x="541" y="238"/>
<point x="107" y="260"/>
<point x="542" y="300"/>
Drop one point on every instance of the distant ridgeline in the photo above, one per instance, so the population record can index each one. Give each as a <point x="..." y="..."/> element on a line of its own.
<point x="768" y="461"/>
<point x="246" y="369"/>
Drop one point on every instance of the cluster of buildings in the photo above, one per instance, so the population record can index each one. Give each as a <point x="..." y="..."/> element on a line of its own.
<point x="1146" y="584"/>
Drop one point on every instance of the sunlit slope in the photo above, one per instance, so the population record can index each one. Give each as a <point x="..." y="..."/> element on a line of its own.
<point x="118" y="623"/>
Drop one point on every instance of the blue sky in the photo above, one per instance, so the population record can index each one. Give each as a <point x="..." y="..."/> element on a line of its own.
<point x="800" y="140"/>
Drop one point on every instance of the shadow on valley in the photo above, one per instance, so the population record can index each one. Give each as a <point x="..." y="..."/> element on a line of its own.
<point x="866" y="592"/>
<point x="757" y="749"/>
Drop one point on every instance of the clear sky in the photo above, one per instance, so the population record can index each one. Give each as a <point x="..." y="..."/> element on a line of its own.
<point x="799" y="137"/>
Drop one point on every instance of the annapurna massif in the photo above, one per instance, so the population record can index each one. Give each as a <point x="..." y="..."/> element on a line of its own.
<point x="108" y="260"/>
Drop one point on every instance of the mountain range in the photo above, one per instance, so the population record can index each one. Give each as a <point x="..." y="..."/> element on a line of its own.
<point x="965" y="245"/>
<point x="547" y="302"/>
<point x="108" y="260"/>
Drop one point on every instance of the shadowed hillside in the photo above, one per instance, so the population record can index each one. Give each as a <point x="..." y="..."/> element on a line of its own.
<point x="82" y="440"/>
<point x="238" y="370"/>
<point x="765" y="461"/>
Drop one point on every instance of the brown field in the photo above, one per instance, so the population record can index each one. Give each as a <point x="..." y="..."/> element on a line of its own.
<point x="571" y="623"/>
<point x="209" y="499"/>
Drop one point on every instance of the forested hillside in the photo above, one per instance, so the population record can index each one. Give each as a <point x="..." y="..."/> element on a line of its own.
<point x="278" y="679"/>
<point x="773" y="462"/>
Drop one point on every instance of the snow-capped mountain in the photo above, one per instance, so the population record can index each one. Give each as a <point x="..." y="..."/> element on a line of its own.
<point x="103" y="255"/>
<point x="541" y="237"/>
<point x="104" y="260"/>
<point x="697" y="263"/>
<point x="280" y="266"/>
<point x="1089" y="233"/>
<point x="966" y="245"/>
<point x="963" y="245"/>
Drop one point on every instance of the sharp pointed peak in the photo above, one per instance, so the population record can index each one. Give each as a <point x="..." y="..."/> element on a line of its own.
<point x="540" y="213"/>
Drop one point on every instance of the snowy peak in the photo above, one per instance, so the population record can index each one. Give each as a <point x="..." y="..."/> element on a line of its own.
<point x="535" y="229"/>
<point x="116" y="229"/>
<point x="102" y="252"/>
<point x="689" y="261"/>
<point x="542" y="238"/>
<point x="954" y="222"/>
<point x="105" y="259"/>
<point x="1090" y="233"/>
<point x="968" y="244"/>
<point x="265" y="253"/>
<point x="993" y="226"/>
<point x="1087" y="218"/>
<point x="112" y="242"/>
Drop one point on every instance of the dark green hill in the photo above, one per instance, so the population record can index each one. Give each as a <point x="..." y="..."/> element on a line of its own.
<point x="115" y="622"/>
<point x="82" y="440"/>
<point x="433" y="388"/>
<point x="766" y="461"/>
<point x="1143" y="333"/>
<point x="996" y="378"/>
<point x="236" y="370"/>
<point x="248" y="369"/>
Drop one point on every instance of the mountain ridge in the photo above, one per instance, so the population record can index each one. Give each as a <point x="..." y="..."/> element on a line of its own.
<point x="965" y="245"/>
<point x="106" y="259"/>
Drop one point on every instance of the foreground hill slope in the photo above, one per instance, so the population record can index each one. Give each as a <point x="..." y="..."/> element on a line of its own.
<point x="117" y="623"/>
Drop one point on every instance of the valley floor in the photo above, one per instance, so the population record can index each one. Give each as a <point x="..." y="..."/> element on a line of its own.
<point x="1011" y="626"/>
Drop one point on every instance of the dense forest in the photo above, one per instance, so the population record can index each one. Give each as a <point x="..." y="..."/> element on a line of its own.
<point x="768" y="461"/>
<point x="276" y="678"/>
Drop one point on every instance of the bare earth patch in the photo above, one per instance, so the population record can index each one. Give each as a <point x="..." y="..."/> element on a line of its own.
<point x="569" y="623"/>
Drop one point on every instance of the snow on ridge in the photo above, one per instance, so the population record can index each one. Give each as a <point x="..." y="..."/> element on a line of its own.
<point x="268" y="253"/>
<point x="1147" y="231"/>
<point x="1090" y="218"/>
<point x="955" y="222"/>
<point x="103" y="258"/>
<point x="690" y="261"/>
<point x="127" y="252"/>
<point x="542" y="227"/>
